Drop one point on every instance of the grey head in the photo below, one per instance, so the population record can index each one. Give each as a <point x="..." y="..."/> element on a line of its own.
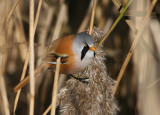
<point x="82" y="43"/>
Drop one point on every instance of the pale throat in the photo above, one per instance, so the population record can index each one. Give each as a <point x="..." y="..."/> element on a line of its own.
<point x="79" y="64"/>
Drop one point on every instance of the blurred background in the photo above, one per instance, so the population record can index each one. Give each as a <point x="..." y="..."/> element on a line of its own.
<point x="138" y="92"/>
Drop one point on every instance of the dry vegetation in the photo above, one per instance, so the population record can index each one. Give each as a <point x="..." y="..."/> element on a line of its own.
<point x="131" y="53"/>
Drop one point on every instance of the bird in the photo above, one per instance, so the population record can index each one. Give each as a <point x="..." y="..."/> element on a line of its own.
<point x="75" y="51"/>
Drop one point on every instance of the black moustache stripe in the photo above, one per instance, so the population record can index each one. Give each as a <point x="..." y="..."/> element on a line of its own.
<point x="84" y="51"/>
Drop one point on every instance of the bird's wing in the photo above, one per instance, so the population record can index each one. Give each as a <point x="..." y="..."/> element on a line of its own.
<point x="62" y="48"/>
<point x="52" y="57"/>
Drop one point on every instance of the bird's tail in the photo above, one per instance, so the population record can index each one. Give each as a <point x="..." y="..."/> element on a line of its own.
<point x="41" y="68"/>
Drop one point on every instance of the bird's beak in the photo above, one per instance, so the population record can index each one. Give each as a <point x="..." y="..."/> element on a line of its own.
<point x="92" y="48"/>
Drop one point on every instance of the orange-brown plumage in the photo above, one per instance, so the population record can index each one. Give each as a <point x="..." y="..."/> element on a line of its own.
<point x="76" y="53"/>
<point x="62" y="47"/>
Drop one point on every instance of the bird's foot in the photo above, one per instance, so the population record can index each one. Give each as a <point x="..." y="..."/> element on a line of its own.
<point x="83" y="80"/>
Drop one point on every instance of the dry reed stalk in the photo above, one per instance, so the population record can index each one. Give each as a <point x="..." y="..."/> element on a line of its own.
<point x="154" y="25"/>
<point x="146" y="65"/>
<point x="46" y="24"/>
<point x="42" y="67"/>
<point x="49" y="107"/>
<point x="4" y="94"/>
<point x="133" y="13"/>
<point x="144" y="21"/>
<point x="58" y="27"/>
<point x="12" y="10"/>
<point x="37" y="15"/>
<point x="3" y="61"/>
<point x="55" y="87"/>
<point x="28" y="53"/>
<point x="47" y="110"/>
<point x="104" y="23"/>
<point x="20" y="34"/>
<point x="92" y="16"/>
<point x="44" y="31"/>
<point x="153" y="83"/>
<point x="56" y="33"/>
<point x="2" y="86"/>
<point x="32" y="32"/>
<point x="6" y="32"/>
<point x="31" y="62"/>
<point x="86" y="19"/>
<point x="59" y="22"/>
<point x="22" y="77"/>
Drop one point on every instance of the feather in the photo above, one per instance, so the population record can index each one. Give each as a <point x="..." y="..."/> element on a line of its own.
<point x="55" y="56"/>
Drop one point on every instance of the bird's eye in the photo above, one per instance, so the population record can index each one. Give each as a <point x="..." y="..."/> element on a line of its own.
<point x="85" y="45"/>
